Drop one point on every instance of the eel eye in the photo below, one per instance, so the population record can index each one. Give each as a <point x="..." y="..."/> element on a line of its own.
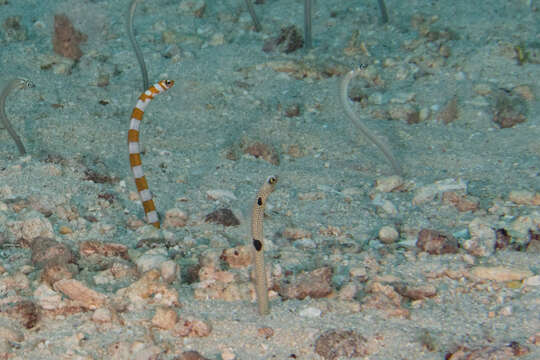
<point x="272" y="180"/>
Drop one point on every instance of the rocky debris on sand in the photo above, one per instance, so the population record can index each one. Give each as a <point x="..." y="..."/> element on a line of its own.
<point x="335" y="344"/>
<point x="436" y="243"/>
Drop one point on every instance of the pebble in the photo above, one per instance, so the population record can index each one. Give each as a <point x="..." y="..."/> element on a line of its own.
<point x="192" y="327"/>
<point x="102" y="315"/>
<point x="151" y="259"/>
<point x="31" y="228"/>
<point x="428" y="192"/>
<point x="295" y="233"/>
<point x="237" y="257"/>
<point x="228" y="354"/>
<point x="76" y="290"/>
<point x="346" y="344"/>
<point x="436" y="243"/>
<point x="175" y="218"/>
<point x="222" y="195"/>
<point x="483" y="237"/>
<point x="424" y="114"/>
<point x="388" y="183"/>
<point x="520" y="227"/>
<point x="388" y="234"/>
<point x="388" y="207"/>
<point x="169" y="271"/>
<point x="524" y="197"/>
<point x="165" y="318"/>
<point x="402" y="98"/>
<point x="500" y="273"/>
<point x="316" y="284"/>
<point x="223" y="217"/>
<point x="532" y="281"/>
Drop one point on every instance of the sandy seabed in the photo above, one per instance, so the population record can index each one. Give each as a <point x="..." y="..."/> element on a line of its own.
<point x="439" y="263"/>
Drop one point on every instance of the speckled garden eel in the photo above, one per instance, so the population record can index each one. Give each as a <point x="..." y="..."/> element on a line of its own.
<point x="20" y="83"/>
<point x="136" y="48"/>
<point x="344" y="98"/>
<point x="257" y="216"/>
<point x="134" y="152"/>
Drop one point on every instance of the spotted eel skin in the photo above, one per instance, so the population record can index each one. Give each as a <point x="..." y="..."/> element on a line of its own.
<point x="134" y="152"/>
<point x="257" y="215"/>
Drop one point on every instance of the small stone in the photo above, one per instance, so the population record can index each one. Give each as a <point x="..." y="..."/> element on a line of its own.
<point x="151" y="259"/>
<point x="359" y="273"/>
<point x="483" y="238"/>
<point x="461" y="202"/>
<point x="388" y="235"/>
<point x="428" y="192"/>
<point x="424" y="114"/>
<point x="524" y="197"/>
<point x="312" y="196"/>
<point x="46" y="250"/>
<point x="436" y="243"/>
<point x="500" y="273"/>
<point x="165" y="318"/>
<point x="102" y="315"/>
<point x="315" y="284"/>
<point x="31" y="228"/>
<point x="228" y="354"/>
<point x="266" y="332"/>
<point x="192" y="327"/>
<point x="237" y="257"/>
<point x="535" y="339"/>
<point x="262" y="150"/>
<point x="295" y="234"/>
<point x="388" y="183"/>
<point x="191" y="355"/>
<point x="150" y="289"/>
<point x="521" y="228"/>
<point x="334" y="344"/>
<point x="221" y="195"/>
<point x="64" y="230"/>
<point x="169" y="271"/>
<point x="91" y="248"/>
<point x="505" y="311"/>
<point x="76" y="290"/>
<point x="175" y="218"/>
<point x="348" y="292"/>
<point x="532" y="281"/>
<point x="47" y="298"/>
<point x="419" y="292"/>
<point x="224" y="217"/>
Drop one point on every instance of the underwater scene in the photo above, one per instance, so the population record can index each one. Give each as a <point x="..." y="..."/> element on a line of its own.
<point x="270" y="179"/>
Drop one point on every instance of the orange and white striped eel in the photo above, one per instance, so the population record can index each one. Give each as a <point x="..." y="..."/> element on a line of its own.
<point x="134" y="152"/>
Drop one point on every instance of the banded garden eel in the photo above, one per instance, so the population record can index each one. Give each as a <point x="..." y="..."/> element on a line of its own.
<point x="134" y="152"/>
<point x="257" y="215"/>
